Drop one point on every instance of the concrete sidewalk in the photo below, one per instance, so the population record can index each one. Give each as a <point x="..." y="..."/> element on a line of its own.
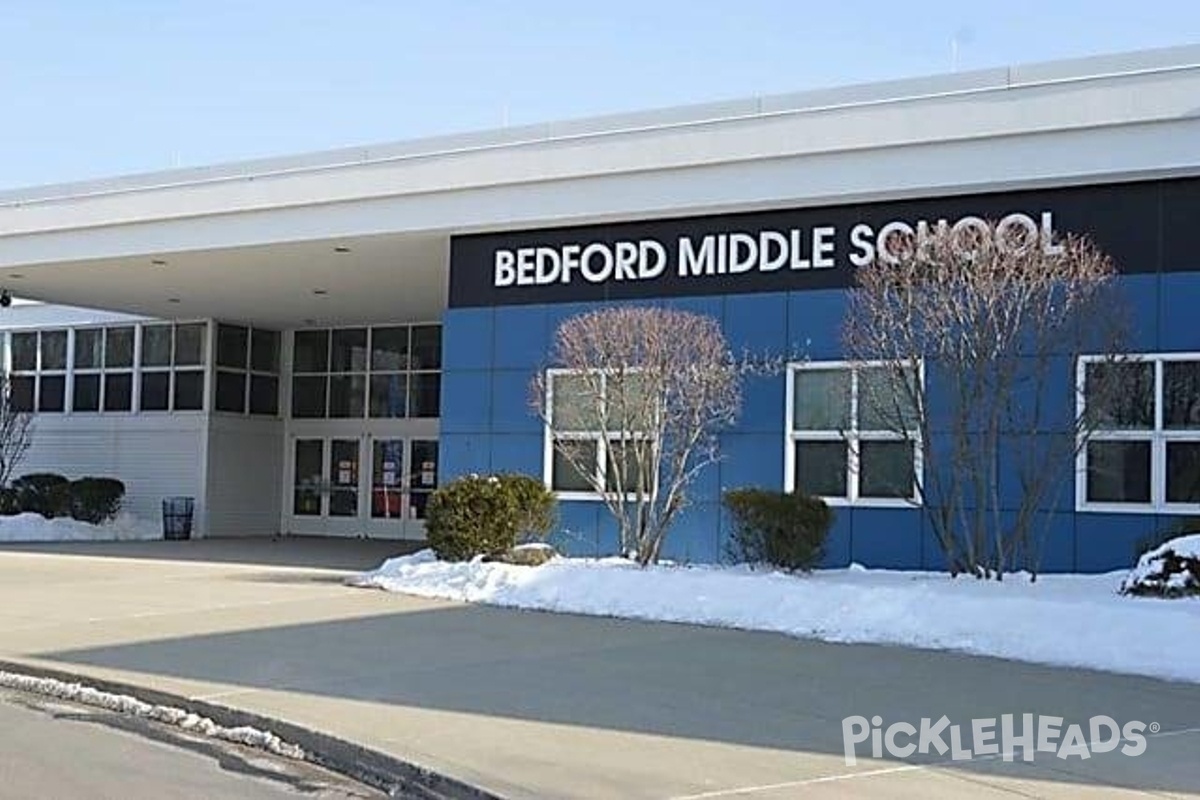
<point x="538" y="705"/>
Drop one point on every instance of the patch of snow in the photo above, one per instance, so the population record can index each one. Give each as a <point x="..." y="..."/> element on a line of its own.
<point x="169" y="715"/>
<point x="36" y="528"/>
<point x="1065" y="620"/>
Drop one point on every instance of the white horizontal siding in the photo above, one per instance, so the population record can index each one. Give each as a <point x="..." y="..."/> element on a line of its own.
<point x="156" y="456"/>
<point x="245" y="476"/>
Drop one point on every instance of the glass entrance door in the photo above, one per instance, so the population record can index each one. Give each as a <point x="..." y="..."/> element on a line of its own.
<point x="363" y="486"/>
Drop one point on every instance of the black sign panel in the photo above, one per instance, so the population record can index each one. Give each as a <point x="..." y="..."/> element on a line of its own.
<point x="1145" y="226"/>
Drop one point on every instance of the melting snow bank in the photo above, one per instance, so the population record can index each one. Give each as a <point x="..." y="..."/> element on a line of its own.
<point x="177" y="717"/>
<point x="1064" y="620"/>
<point x="36" y="528"/>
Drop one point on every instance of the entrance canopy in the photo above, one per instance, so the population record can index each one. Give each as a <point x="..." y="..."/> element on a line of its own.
<point x="362" y="280"/>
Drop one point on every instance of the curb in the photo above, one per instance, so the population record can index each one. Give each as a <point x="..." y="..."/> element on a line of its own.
<point x="373" y="768"/>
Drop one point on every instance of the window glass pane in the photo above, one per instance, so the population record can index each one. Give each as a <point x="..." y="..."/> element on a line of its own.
<point x="576" y="402"/>
<point x="156" y="346"/>
<point x="1181" y="395"/>
<point x="20" y="389"/>
<point x="52" y="393"/>
<point x="231" y="346"/>
<point x="89" y="348"/>
<point x="821" y="400"/>
<point x="885" y="469"/>
<point x="54" y="350"/>
<point x="349" y="350"/>
<point x="189" y="390"/>
<point x="885" y="399"/>
<point x="627" y="455"/>
<point x="1183" y="472"/>
<point x="311" y="352"/>
<point x="264" y="394"/>
<point x="191" y="342"/>
<point x="308" y="397"/>
<point x="309" y="470"/>
<point x="389" y="349"/>
<point x="24" y="351"/>
<point x="231" y="392"/>
<point x="1121" y="395"/>
<point x="821" y="468"/>
<point x="427" y="346"/>
<point x="565" y="476"/>
<point x="389" y="396"/>
<point x="347" y="395"/>
<point x="630" y="407"/>
<point x="1118" y="472"/>
<point x="264" y="351"/>
<point x="86" y="395"/>
<point x="387" y="478"/>
<point x="155" y="391"/>
<point x="425" y="394"/>
<point x="118" y="392"/>
<point x="118" y="348"/>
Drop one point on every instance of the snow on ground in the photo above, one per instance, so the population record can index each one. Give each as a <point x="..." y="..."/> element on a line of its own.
<point x="36" y="528"/>
<point x="168" y="715"/>
<point x="1066" y="620"/>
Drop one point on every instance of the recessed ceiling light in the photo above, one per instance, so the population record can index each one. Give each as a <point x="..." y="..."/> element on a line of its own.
<point x="320" y="291"/>
<point x="16" y="276"/>
<point x="341" y="248"/>
<point x="172" y="299"/>
<point x="158" y="262"/>
<point x="310" y="322"/>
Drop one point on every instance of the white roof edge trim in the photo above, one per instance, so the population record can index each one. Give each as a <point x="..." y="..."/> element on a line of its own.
<point x="103" y="187"/>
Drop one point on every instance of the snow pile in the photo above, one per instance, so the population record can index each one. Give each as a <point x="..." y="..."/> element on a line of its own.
<point x="29" y="527"/>
<point x="177" y="717"/>
<point x="1067" y="620"/>
<point x="1170" y="570"/>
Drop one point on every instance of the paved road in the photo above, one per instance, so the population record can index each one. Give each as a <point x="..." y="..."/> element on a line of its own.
<point x="536" y="705"/>
<point x="51" y="750"/>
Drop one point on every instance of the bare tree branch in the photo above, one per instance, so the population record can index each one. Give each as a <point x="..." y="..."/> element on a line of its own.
<point x="649" y="388"/>
<point x="998" y="318"/>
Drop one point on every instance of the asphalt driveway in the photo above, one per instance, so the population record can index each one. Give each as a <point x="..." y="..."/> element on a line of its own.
<point x="539" y="705"/>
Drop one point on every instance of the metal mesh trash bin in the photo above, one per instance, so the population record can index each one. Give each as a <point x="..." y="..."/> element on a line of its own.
<point x="177" y="517"/>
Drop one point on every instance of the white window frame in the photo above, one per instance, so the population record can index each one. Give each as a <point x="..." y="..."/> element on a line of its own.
<point x="852" y="437"/>
<point x="603" y="442"/>
<point x="1158" y="437"/>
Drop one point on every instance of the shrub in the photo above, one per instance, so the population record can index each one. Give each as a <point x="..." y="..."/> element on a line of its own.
<point x="1171" y="570"/>
<point x="96" y="500"/>
<point x="782" y="529"/>
<point x="45" y="493"/>
<point x="487" y="515"/>
<point x="10" y="502"/>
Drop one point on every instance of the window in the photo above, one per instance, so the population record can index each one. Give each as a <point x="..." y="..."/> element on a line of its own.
<point x="38" y="380"/>
<point x="383" y="372"/>
<point x="247" y="373"/>
<point x="172" y="366"/>
<point x="102" y="369"/>
<point x="596" y="424"/>
<point x="1144" y="452"/>
<point x="853" y="435"/>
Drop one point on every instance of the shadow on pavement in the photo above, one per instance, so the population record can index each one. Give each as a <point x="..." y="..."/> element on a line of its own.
<point x="281" y="551"/>
<point x="758" y="690"/>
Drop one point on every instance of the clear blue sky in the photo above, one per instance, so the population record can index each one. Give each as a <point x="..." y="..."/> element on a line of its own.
<point x="101" y="87"/>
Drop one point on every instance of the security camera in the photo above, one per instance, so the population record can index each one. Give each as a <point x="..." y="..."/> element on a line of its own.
<point x="5" y="298"/>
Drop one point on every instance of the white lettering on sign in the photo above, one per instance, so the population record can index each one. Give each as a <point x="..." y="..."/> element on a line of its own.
<point x="736" y="253"/>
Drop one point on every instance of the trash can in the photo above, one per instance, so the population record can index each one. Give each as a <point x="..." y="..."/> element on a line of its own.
<point x="177" y="517"/>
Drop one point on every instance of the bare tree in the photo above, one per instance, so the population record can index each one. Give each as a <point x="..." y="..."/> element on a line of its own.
<point x="16" y="429"/>
<point x="633" y="403"/>
<point x="978" y="329"/>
